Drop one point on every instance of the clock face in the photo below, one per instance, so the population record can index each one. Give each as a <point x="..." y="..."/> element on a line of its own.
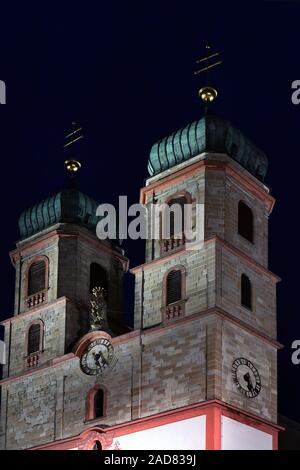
<point x="98" y="356"/>
<point x="246" y="377"/>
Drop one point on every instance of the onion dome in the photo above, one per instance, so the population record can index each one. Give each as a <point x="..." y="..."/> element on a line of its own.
<point x="67" y="206"/>
<point x="209" y="134"/>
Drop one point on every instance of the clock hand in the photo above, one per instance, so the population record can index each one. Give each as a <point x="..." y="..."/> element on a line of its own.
<point x="248" y="379"/>
<point x="97" y="356"/>
<point x="102" y="357"/>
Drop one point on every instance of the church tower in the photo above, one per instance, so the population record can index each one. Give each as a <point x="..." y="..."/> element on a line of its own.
<point x="213" y="308"/>
<point x="199" y="368"/>
<point x="58" y="262"/>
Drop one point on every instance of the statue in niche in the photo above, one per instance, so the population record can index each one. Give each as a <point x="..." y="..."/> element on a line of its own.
<point x="98" y="319"/>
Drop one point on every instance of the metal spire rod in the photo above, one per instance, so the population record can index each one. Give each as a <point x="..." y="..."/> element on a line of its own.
<point x="73" y="165"/>
<point x="207" y="93"/>
<point x="208" y="67"/>
<point x="208" y="57"/>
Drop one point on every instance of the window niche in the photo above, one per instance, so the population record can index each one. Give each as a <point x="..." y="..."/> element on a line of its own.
<point x="245" y="222"/>
<point x="246" y="292"/>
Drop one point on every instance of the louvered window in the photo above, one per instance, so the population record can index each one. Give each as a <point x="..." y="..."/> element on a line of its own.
<point x="246" y="294"/>
<point x="99" y="404"/>
<point x="174" y="286"/>
<point x="34" y="335"/>
<point x="37" y="277"/>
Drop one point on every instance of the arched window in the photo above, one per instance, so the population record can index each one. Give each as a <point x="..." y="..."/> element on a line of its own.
<point x="173" y="218"/>
<point x="177" y="216"/>
<point x="245" y="221"/>
<point x="99" y="403"/>
<point x="96" y="403"/>
<point x="246" y="294"/>
<point x="37" y="277"/>
<point x="34" y="338"/>
<point x="174" y="293"/>
<point x="175" y="221"/>
<point x="98" y="277"/>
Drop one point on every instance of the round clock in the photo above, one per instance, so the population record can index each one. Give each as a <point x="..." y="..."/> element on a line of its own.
<point x="246" y="377"/>
<point x="98" y="356"/>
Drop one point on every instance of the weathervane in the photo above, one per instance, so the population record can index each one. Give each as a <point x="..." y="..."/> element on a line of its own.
<point x="72" y="165"/>
<point x="208" y="93"/>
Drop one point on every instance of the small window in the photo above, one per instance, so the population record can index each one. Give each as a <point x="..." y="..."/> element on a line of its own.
<point x="245" y="221"/>
<point x="34" y="338"/>
<point x="246" y="294"/>
<point x="98" y="277"/>
<point x="37" y="277"/>
<point x="174" y="286"/>
<point x="96" y="403"/>
<point x="99" y="404"/>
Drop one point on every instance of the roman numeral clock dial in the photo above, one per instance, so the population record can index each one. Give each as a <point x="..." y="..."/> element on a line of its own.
<point x="246" y="377"/>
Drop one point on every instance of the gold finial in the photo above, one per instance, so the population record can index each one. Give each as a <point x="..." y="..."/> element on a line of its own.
<point x="207" y="93"/>
<point x="72" y="166"/>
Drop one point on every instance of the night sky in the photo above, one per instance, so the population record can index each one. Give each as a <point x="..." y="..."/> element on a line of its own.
<point x="124" y="70"/>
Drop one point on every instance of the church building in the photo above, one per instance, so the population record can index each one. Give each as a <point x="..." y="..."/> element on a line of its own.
<point x="199" y="368"/>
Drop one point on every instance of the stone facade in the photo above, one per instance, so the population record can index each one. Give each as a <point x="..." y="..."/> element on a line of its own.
<point x="163" y="364"/>
<point x="237" y="343"/>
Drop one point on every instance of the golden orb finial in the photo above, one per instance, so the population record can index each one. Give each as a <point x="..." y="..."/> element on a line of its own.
<point x="211" y="60"/>
<point x="72" y="166"/>
<point x="72" y="138"/>
<point x="208" y="94"/>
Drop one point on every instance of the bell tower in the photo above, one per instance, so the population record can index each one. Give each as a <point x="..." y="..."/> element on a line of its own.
<point x="58" y="262"/>
<point x="215" y="306"/>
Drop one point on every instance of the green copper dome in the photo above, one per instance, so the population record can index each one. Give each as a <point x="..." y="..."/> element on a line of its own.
<point x="68" y="206"/>
<point x="209" y="134"/>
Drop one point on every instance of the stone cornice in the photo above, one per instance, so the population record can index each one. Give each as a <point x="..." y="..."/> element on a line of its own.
<point x="257" y="266"/>
<point x="155" y="330"/>
<point x="35" y="310"/>
<point x="58" y="232"/>
<point x="254" y="186"/>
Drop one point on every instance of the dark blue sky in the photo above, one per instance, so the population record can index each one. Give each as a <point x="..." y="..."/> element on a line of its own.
<point x="125" y="71"/>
